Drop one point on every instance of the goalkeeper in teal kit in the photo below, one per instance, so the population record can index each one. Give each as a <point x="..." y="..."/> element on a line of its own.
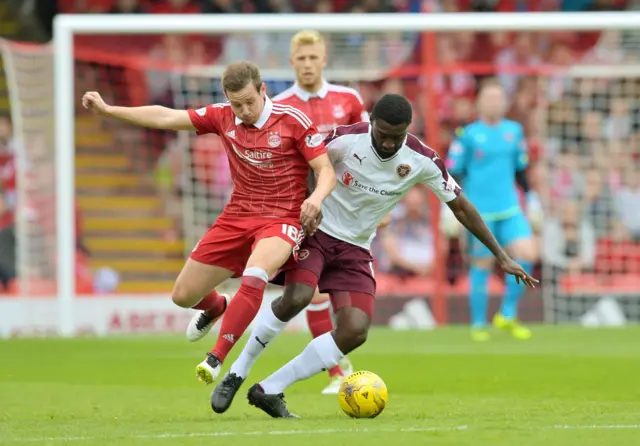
<point x="489" y="157"/>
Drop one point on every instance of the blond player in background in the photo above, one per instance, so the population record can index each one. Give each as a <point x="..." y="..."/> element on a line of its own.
<point x="328" y="105"/>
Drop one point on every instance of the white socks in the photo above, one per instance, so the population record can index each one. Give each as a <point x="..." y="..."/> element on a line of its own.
<point x="267" y="328"/>
<point x="322" y="353"/>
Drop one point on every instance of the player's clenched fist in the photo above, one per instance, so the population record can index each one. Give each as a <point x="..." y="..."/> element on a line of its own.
<point x="310" y="216"/>
<point x="93" y="101"/>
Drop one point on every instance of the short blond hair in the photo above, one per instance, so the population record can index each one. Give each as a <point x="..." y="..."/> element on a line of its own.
<point x="306" y="37"/>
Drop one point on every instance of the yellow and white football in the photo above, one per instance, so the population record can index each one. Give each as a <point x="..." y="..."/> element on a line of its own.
<point x="363" y="395"/>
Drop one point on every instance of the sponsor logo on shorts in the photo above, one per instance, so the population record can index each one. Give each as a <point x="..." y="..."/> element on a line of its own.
<point x="314" y="140"/>
<point x="303" y="254"/>
<point x="403" y="170"/>
<point x="274" y="139"/>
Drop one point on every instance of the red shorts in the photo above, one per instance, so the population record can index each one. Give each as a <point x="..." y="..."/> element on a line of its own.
<point x="230" y="241"/>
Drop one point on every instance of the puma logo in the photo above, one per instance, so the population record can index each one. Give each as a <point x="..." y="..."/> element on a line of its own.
<point x="263" y="344"/>
<point x="356" y="156"/>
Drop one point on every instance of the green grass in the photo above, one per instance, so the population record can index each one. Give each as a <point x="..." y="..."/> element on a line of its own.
<point x="566" y="387"/>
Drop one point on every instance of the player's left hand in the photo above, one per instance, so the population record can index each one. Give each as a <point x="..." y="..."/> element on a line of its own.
<point x="310" y="216"/>
<point x="509" y="266"/>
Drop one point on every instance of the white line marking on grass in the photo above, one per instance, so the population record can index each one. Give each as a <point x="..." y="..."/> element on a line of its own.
<point x="259" y="433"/>
<point x="597" y="426"/>
<point x="364" y="430"/>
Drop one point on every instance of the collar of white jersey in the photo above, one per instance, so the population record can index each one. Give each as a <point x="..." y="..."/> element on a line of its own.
<point x="264" y="116"/>
<point x="305" y="95"/>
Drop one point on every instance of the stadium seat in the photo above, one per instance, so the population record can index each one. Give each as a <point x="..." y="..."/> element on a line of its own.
<point x="614" y="257"/>
<point x="586" y="283"/>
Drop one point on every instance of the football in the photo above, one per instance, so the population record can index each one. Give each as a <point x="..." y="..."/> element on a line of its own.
<point x="363" y="395"/>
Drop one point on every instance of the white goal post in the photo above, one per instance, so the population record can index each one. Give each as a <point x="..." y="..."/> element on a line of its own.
<point x="68" y="26"/>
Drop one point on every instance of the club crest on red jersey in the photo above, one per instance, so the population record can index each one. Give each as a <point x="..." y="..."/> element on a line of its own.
<point x="274" y="140"/>
<point x="347" y="179"/>
<point x="403" y="170"/>
<point x="338" y="111"/>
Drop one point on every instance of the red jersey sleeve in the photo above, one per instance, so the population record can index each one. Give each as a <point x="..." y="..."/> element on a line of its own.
<point x="207" y="119"/>
<point x="310" y="143"/>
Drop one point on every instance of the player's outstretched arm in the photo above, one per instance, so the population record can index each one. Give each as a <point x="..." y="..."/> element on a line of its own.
<point x="468" y="215"/>
<point x="152" y="116"/>
<point x="325" y="183"/>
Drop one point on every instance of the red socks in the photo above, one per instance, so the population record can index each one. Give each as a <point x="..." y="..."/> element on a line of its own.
<point x="319" y="320"/>
<point x="213" y="304"/>
<point x="242" y="309"/>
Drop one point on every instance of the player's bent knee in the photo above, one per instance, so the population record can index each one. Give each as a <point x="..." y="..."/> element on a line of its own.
<point x="183" y="297"/>
<point x="296" y="297"/>
<point x="352" y="328"/>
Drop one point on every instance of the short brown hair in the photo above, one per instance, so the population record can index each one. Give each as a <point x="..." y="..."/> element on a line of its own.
<point x="240" y="74"/>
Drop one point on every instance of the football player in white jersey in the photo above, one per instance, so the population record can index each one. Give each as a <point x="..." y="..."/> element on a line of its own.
<point x="376" y="164"/>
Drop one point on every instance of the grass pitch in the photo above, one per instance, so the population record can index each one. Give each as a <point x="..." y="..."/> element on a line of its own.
<point x="566" y="387"/>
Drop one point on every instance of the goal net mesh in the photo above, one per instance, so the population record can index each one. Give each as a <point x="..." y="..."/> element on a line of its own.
<point x="29" y="74"/>
<point x="589" y="178"/>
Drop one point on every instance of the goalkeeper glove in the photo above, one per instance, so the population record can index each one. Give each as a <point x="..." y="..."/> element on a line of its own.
<point x="449" y="224"/>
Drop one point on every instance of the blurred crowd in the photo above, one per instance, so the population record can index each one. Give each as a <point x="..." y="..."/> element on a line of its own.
<point x="330" y="6"/>
<point x="582" y="128"/>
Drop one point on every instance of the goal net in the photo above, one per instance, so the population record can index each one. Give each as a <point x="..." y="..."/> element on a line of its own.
<point x="589" y="175"/>
<point x="29" y="74"/>
<point x="145" y="197"/>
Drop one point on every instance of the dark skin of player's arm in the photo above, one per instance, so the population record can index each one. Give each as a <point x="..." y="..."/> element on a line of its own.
<point x="470" y="218"/>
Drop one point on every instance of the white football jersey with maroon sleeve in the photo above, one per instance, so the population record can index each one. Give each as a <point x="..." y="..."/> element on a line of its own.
<point x="369" y="187"/>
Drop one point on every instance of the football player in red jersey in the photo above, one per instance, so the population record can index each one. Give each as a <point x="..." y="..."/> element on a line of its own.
<point x="328" y="105"/>
<point x="270" y="149"/>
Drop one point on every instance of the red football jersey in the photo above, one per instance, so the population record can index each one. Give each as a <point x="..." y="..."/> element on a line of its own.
<point x="269" y="160"/>
<point x="331" y="106"/>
